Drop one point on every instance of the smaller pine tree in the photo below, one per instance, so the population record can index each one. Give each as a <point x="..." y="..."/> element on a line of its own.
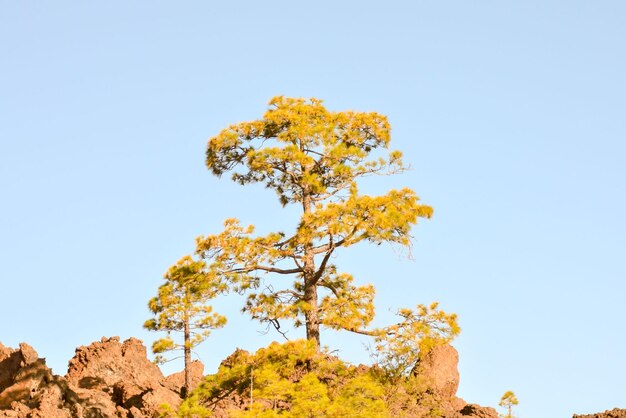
<point x="181" y="306"/>
<point x="398" y="347"/>
<point x="507" y="401"/>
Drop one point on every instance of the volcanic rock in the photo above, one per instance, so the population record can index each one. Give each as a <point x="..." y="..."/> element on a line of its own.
<point x="477" y="411"/>
<point x="106" y="379"/>
<point x="107" y="362"/>
<point x="440" y="366"/>
<point x="176" y="381"/>
<point x="113" y="379"/>
<point x="614" y="413"/>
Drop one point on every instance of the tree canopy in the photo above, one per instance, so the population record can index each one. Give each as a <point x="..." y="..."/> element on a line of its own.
<point x="313" y="158"/>
<point x="508" y="401"/>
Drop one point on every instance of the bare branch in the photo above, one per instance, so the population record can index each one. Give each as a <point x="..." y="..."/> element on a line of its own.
<point x="276" y="325"/>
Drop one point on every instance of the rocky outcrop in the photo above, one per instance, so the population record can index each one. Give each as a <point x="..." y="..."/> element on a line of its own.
<point x="440" y="367"/>
<point x="29" y="389"/>
<point x="108" y="361"/>
<point x="113" y="379"/>
<point x="614" y="413"/>
<point x="123" y="372"/>
<point x="105" y="379"/>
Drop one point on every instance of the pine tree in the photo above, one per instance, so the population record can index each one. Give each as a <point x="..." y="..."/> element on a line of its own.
<point x="507" y="401"/>
<point x="312" y="158"/>
<point x="398" y="347"/>
<point x="181" y="306"/>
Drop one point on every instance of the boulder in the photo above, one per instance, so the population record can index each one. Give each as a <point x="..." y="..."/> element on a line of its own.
<point x="440" y="367"/>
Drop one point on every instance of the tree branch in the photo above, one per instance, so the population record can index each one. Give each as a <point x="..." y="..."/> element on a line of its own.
<point x="326" y="247"/>
<point x="266" y="268"/>
<point x="276" y="325"/>
<point x="293" y="293"/>
<point x="362" y="332"/>
<point x="320" y="271"/>
<point x="331" y="288"/>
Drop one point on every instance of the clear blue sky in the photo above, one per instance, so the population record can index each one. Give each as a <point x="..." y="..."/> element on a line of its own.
<point x="512" y="115"/>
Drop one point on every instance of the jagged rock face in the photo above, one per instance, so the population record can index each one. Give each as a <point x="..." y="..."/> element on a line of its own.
<point x="614" y="413"/>
<point x="106" y="379"/>
<point x="22" y="374"/>
<point x="9" y="365"/>
<point x="107" y="362"/>
<point x="28" y="388"/>
<point x="123" y="372"/>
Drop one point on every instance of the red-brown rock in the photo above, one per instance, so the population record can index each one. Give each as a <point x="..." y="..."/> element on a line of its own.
<point x="614" y="413"/>
<point x="176" y="381"/>
<point x="105" y="379"/>
<point x="113" y="379"/>
<point x="107" y="362"/>
<point x="440" y="367"/>
<point x="477" y="411"/>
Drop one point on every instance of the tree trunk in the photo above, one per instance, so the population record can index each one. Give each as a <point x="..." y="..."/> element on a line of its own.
<point x="311" y="316"/>
<point x="187" y="350"/>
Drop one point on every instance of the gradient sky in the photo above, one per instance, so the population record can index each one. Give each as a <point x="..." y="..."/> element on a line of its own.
<point x="511" y="114"/>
